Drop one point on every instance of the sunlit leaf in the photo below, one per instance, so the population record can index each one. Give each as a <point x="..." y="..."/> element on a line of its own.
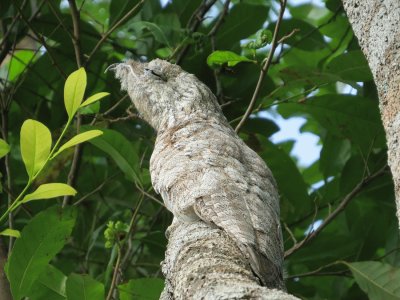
<point x="4" y="148"/>
<point x="378" y="280"/>
<point x="50" y="190"/>
<point x="41" y="239"/>
<point x="219" y="58"/>
<point x="83" y="287"/>
<point x="74" y="91"/>
<point x="35" y="143"/>
<point x="80" y="138"/>
<point x="94" y="98"/>
<point x="11" y="232"/>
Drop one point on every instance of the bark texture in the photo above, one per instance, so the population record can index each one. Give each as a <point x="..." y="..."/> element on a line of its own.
<point x="376" y="24"/>
<point x="225" y="241"/>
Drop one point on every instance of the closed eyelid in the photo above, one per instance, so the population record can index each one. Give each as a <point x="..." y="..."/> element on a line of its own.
<point x="155" y="73"/>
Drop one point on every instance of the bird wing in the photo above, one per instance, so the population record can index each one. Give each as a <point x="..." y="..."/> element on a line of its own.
<point x="207" y="172"/>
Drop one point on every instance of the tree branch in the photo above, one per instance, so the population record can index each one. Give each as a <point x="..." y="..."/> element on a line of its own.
<point x="115" y="26"/>
<point x="193" y="24"/>
<point x="345" y="201"/>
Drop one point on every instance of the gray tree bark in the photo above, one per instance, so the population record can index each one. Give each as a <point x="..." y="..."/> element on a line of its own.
<point x="376" y="24"/>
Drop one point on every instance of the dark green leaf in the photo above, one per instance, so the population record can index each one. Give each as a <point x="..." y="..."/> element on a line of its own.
<point x="118" y="8"/>
<point x="290" y="182"/>
<point x="307" y="38"/>
<point x="143" y="288"/>
<point x="83" y="287"/>
<point x="40" y="241"/>
<point x="49" y="285"/>
<point x="334" y="155"/>
<point x="350" y="66"/>
<point x="345" y="116"/>
<point x="242" y="21"/>
<point x="121" y="151"/>
<point x="376" y="279"/>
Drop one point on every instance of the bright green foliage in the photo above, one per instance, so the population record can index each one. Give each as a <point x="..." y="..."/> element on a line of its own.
<point x="115" y="232"/>
<point x="83" y="287"/>
<point x="94" y="98"/>
<point x="74" y="91"/>
<point x="78" y="139"/>
<point x="319" y="77"/>
<point x="262" y="38"/>
<point x="50" y="190"/>
<point x="41" y="239"/>
<point x="231" y="59"/>
<point x="143" y="288"/>
<point x="4" y="148"/>
<point x="11" y="232"/>
<point x="35" y="146"/>
<point x="376" y="279"/>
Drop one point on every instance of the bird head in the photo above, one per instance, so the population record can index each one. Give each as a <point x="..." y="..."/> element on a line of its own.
<point x="163" y="93"/>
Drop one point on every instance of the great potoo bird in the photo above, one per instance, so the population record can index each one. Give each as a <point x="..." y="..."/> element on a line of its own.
<point x="200" y="166"/>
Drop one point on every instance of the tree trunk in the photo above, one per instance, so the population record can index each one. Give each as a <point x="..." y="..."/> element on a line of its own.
<point x="204" y="263"/>
<point x="376" y="24"/>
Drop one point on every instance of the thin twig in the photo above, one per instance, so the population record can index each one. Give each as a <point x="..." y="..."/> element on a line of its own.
<point x="95" y="190"/>
<point x="114" y="278"/>
<point x="193" y="24"/>
<point x="76" y="34"/>
<point x="345" y="201"/>
<point x="76" y="159"/>
<point x="42" y="41"/>
<point x="212" y="34"/>
<point x="111" y="30"/>
<point x="265" y="67"/>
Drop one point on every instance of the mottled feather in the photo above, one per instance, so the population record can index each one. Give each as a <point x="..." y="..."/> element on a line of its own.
<point x="200" y="166"/>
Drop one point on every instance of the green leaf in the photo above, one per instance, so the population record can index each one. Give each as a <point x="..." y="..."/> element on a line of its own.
<point x="262" y="38"/>
<point x="35" y="143"/>
<point x="11" y="232"/>
<point x="83" y="287"/>
<point x="118" y="8"/>
<point x="308" y="37"/>
<point x="74" y="91"/>
<point x="154" y="29"/>
<point x="291" y="185"/>
<point x="350" y="66"/>
<point x="94" y="98"/>
<point x="219" y="58"/>
<point x="49" y="285"/>
<point x="121" y="151"/>
<point x="334" y="155"/>
<point x="41" y="239"/>
<point x="50" y="190"/>
<point x="80" y="138"/>
<point x="242" y="21"/>
<point x="345" y="116"/>
<point x="4" y="148"/>
<point x="142" y="288"/>
<point x="376" y="279"/>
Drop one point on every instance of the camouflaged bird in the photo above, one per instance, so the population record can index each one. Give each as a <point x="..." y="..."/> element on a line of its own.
<point x="200" y="166"/>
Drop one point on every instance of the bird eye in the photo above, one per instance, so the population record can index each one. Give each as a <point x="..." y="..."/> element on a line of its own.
<point x="155" y="73"/>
